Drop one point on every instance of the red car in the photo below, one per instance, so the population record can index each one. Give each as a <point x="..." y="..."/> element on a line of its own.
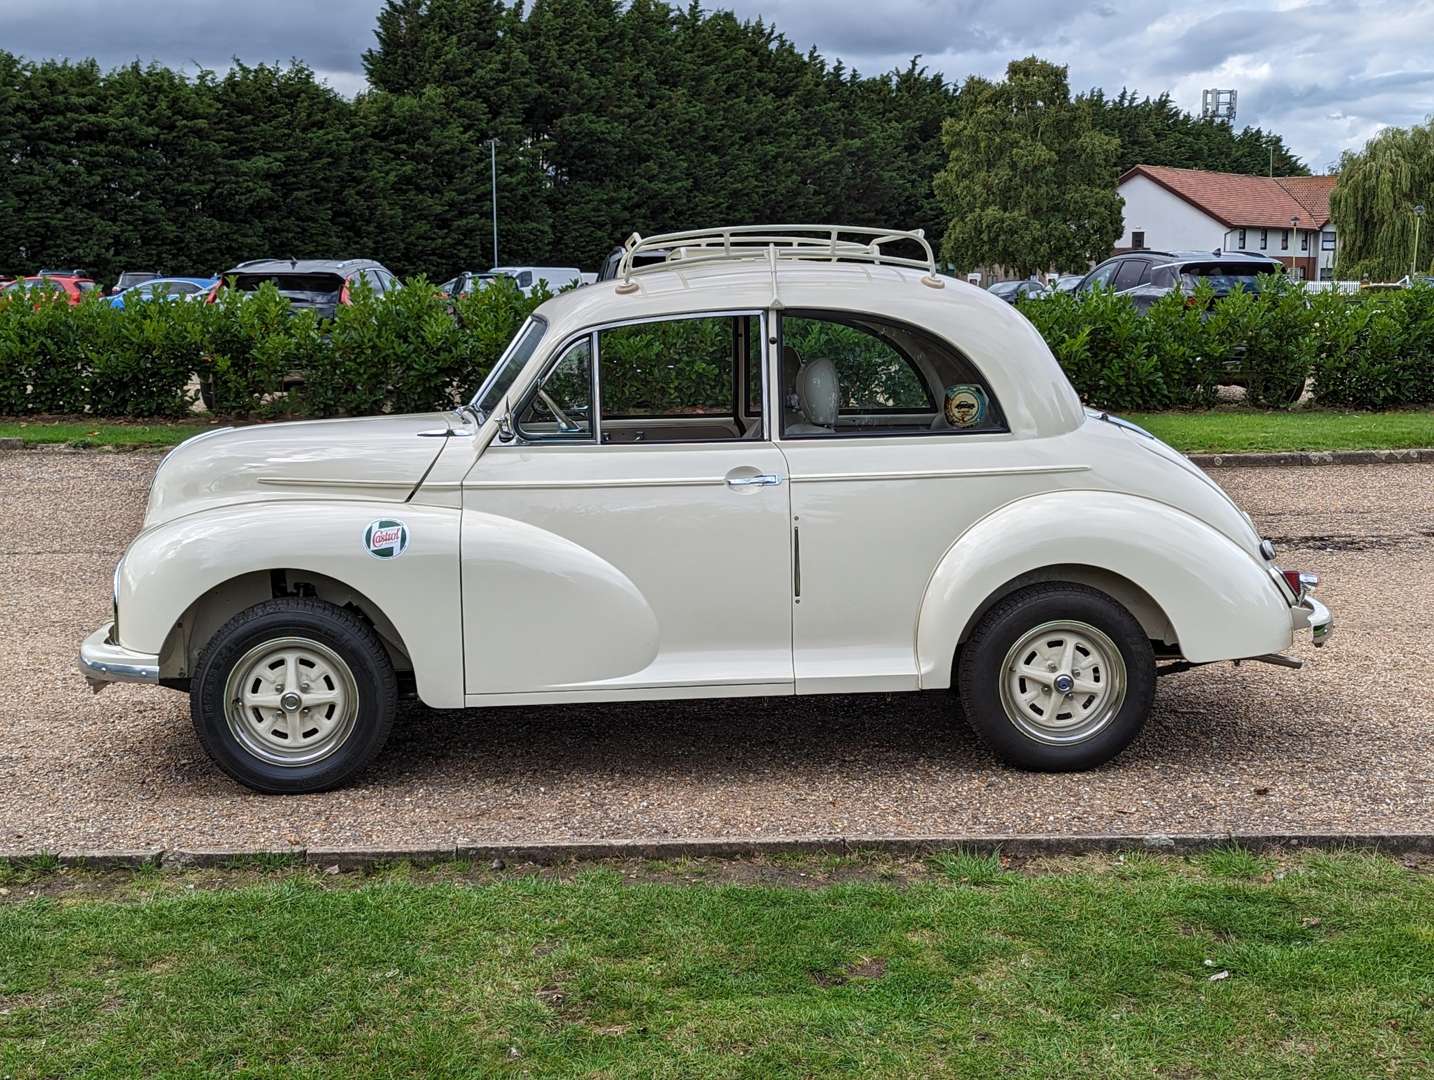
<point x="72" y="285"/>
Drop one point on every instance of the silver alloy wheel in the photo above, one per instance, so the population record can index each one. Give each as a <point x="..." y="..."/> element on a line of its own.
<point x="291" y="701"/>
<point x="1063" y="682"/>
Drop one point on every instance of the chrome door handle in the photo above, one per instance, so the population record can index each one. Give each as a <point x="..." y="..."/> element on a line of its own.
<point x="760" y="480"/>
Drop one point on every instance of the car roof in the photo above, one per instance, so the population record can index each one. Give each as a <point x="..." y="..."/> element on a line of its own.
<point x="1034" y="393"/>
<point x="305" y="266"/>
<point x="1196" y="256"/>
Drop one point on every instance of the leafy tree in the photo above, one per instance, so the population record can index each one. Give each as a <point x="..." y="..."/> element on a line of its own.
<point x="1372" y="205"/>
<point x="1029" y="181"/>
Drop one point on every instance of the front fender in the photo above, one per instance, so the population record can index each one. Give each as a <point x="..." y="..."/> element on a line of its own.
<point x="1222" y="604"/>
<point x="171" y="565"/>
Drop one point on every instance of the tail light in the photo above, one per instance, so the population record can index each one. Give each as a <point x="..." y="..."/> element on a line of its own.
<point x="1300" y="582"/>
<point x="344" y="293"/>
<point x="213" y="292"/>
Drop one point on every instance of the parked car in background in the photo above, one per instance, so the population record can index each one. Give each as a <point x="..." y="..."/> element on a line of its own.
<point x="1011" y="291"/>
<point x="319" y="285"/>
<point x="130" y="278"/>
<point x="557" y="278"/>
<point x="1146" y="276"/>
<point x="794" y="464"/>
<point x="608" y="270"/>
<point x="464" y="284"/>
<point x="73" y="286"/>
<point x="165" y="288"/>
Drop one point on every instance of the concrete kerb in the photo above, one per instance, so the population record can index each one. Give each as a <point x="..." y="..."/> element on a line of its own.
<point x="512" y="854"/>
<point x="1313" y="457"/>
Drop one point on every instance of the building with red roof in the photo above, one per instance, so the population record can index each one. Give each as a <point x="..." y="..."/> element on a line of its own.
<point x="1286" y="217"/>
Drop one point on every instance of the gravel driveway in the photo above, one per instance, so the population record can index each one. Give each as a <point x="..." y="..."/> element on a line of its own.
<point x="1342" y="745"/>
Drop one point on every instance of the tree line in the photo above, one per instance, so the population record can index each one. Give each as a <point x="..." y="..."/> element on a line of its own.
<point x="608" y="116"/>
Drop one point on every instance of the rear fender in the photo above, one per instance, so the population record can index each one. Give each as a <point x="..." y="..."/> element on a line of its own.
<point x="1220" y="601"/>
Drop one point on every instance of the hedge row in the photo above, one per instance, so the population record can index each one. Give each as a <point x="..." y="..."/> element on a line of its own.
<point x="413" y="350"/>
<point x="1372" y="350"/>
<point x="407" y="351"/>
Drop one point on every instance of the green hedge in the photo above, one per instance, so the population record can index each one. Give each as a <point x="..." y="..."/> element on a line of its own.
<point x="407" y="351"/>
<point x="412" y="350"/>
<point x="1372" y="350"/>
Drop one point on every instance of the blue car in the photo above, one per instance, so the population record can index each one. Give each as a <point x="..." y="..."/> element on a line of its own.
<point x="166" y="288"/>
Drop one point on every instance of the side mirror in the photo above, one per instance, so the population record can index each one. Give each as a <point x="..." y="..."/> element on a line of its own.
<point x="506" y="434"/>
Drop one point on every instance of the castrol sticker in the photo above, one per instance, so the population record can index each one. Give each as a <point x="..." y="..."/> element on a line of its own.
<point x="386" y="539"/>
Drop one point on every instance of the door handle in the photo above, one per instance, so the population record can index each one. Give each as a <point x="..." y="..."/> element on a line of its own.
<point x="760" y="480"/>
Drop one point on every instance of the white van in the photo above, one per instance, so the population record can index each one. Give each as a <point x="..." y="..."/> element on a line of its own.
<point x="527" y="277"/>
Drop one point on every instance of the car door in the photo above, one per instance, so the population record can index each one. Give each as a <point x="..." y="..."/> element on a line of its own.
<point x="895" y="446"/>
<point x="631" y="537"/>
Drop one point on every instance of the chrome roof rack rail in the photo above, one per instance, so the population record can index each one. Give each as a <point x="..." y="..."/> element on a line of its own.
<point x="820" y="243"/>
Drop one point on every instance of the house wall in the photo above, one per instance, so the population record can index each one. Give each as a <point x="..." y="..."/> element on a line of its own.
<point x="1167" y="220"/>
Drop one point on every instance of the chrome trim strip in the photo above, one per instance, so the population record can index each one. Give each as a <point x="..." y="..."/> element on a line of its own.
<point x="577" y="485"/>
<point x="1321" y="621"/>
<point x="939" y="474"/>
<point x="103" y="661"/>
<point x="314" y="481"/>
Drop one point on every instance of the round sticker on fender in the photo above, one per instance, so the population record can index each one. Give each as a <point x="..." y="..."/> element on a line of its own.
<point x="386" y="539"/>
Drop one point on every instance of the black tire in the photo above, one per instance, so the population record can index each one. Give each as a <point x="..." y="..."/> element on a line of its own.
<point x="206" y="393"/>
<point x="337" y="629"/>
<point x="980" y="675"/>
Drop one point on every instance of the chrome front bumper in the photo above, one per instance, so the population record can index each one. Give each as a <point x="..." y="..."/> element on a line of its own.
<point x="103" y="662"/>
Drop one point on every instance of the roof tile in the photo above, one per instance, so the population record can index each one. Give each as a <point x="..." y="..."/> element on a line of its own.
<point x="1237" y="200"/>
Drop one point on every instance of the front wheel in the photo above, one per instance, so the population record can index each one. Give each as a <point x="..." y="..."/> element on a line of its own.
<point x="1057" y="677"/>
<point x="293" y="695"/>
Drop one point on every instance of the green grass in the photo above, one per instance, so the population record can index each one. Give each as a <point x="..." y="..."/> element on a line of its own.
<point x="967" y="970"/>
<point x="1236" y="430"/>
<point x="86" y="433"/>
<point x="1215" y="431"/>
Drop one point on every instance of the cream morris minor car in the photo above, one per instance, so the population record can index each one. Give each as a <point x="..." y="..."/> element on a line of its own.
<point x="778" y="460"/>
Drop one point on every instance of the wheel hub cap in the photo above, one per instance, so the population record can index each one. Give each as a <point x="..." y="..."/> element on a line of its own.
<point x="282" y="725"/>
<point x="1063" y="682"/>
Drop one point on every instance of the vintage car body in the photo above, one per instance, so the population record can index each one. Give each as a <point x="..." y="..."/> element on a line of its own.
<point x="782" y="550"/>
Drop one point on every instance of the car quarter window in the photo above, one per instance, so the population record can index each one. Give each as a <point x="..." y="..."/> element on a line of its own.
<point x="560" y="408"/>
<point x="846" y="374"/>
<point x="681" y="380"/>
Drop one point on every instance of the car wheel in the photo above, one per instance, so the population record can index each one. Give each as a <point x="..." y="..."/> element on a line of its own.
<point x="293" y="695"/>
<point x="1057" y="677"/>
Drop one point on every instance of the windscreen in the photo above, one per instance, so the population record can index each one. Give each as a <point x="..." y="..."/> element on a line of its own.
<point x="509" y="365"/>
<point x="1226" y="277"/>
<point x="297" y="288"/>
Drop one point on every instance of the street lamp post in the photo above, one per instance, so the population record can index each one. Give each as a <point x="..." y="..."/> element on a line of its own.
<point x="1295" y="242"/>
<point x="1414" y="256"/>
<point x="493" y="166"/>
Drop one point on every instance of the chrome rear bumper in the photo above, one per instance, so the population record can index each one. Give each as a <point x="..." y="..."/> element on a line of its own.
<point x="103" y="662"/>
<point x="1319" y="620"/>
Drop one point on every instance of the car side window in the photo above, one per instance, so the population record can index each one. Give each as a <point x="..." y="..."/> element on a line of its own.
<point x="560" y="409"/>
<point x="1128" y="276"/>
<point x="856" y="375"/>
<point x="375" y="282"/>
<point x="680" y="380"/>
<point x="1101" y="275"/>
<point x="1162" y="277"/>
<point x="525" y="279"/>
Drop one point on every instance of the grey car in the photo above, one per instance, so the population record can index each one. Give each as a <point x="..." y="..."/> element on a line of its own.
<point x="1145" y="276"/>
<point x="322" y="285"/>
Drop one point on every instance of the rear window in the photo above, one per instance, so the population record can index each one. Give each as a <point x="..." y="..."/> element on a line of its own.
<point x="1226" y="277"/>
<point x="305" y="286"/>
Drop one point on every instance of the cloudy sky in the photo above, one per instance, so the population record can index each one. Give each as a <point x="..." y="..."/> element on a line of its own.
<point x="1326" y="75"/>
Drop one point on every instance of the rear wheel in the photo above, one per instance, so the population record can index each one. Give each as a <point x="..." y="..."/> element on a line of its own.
<point x="1057" y="677"/>
<point x="294" y="695"/>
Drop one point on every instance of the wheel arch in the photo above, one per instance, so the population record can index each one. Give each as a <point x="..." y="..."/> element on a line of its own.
<point x="198" y="623"/>
<point x="1144" y="607"/>
<point x="1186" y="583"/>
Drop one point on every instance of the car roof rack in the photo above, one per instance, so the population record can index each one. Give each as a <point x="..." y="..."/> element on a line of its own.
<point x="819" y="243"/>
